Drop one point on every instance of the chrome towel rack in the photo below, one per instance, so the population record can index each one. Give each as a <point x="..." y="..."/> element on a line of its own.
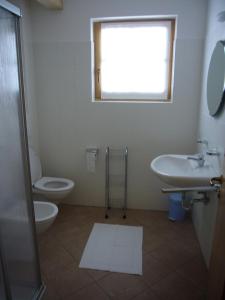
<point x="198" y="193"/>
<point x="116" y="161"/>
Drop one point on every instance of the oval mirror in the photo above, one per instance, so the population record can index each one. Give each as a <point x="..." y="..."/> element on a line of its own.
<point x="216" y="79"/>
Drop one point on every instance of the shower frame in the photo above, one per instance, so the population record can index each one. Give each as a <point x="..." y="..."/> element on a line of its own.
<point x="39" y="293"/>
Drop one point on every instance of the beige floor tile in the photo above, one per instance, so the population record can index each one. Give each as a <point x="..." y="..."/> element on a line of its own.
<point x="96" y="274"/>
<point x="51" y="293"/>
<point x="90" y="292"/>
<point x="196" y="271"/>
<point x="55" y="260"/>
<point x="172" y="255"/>
<point x="152" y="219"/>
<point x="152" y="240"/>
<point x="175" y="287"/>
<point x="121" y="286"/>
<point x="75" y="245"/>
<point x="154" y="270"/>
<point x="189" y="244"/>
<point x="70" y="281"/>
<point x="146" y="295"/>
<point x="172" y="262"/>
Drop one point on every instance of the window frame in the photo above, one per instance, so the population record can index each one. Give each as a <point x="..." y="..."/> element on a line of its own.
<point x="96" y="33"/>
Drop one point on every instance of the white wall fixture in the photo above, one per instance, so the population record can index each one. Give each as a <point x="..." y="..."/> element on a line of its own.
<point x="91" y="157"/>
<point x="52" y="4"/>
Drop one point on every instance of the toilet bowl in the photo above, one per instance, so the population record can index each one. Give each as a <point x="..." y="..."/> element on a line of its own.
<point x="45" y="214"/>
<point x="53" y="188"/>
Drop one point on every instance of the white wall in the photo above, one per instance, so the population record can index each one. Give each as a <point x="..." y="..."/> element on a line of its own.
<point x="28" y="68"/>
<point x="69" y="121"/>
<point x="210" y="128"/>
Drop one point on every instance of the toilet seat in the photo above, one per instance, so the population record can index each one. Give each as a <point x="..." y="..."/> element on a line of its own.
<point x="53" y="184"/>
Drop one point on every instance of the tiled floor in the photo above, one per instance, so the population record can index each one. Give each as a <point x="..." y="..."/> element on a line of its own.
<point x="173" y="267"/>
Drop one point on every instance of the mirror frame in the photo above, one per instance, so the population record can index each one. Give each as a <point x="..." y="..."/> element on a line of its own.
<point x="219" y="105"/>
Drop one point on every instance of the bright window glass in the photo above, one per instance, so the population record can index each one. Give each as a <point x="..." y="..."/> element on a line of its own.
<point x="135" y="59"/>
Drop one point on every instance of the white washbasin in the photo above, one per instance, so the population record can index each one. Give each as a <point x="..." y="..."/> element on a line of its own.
<point x="179" y="171"/>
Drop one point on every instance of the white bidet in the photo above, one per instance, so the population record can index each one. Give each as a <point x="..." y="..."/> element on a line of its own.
<point x="45" y="214"/>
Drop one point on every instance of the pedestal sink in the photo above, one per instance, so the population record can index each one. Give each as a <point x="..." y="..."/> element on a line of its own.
<point x="179" y="171"/>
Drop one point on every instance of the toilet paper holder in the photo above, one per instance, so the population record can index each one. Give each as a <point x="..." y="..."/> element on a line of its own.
<point x="91" y="158"/>
<point x="93" y="150"/>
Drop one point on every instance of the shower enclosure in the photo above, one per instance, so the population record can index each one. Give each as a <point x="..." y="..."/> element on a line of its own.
<point x="19" y="265"/>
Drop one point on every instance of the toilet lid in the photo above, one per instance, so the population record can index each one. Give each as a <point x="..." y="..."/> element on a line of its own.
<point x="35" y="166"/>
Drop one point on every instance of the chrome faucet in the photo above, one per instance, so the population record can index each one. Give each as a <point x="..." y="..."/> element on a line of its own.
<point x="199" y="158"/>
<point x="204" y="142"/>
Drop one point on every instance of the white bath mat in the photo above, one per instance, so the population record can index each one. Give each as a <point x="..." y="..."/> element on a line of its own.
<point x="115" y="248"/>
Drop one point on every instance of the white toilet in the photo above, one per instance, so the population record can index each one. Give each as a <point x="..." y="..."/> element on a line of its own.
<point x="53" y="188"/>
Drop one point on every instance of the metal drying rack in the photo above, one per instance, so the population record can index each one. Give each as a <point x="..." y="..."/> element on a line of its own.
<point x="117" y="179"/>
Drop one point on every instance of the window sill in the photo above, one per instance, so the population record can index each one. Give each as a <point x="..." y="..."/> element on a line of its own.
<point x="134" y="101"/>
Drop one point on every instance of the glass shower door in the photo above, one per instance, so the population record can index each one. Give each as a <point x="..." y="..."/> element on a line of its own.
<point x="21" y="275"/>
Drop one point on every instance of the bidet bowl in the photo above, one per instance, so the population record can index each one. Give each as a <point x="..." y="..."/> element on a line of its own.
<point x="45" y="214"/>
<point x="179" y="171"/>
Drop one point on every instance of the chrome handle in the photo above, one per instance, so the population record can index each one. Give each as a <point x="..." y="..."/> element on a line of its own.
<point x="199" y="156"/>
<point x="204" y="142"/>
<point x="217" y="180"/>
<point x="213" y="152"/>
<point x="98" y="75"/>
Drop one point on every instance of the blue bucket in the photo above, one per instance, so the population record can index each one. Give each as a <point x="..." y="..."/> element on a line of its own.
<point x="176" y="211"/>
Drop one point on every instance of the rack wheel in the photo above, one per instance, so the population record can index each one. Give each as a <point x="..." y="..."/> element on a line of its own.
<point x="106" y="216"/>
<point x="124" y="216"/>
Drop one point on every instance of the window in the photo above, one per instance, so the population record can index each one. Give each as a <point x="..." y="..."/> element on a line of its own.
<point x="133" y="59"/>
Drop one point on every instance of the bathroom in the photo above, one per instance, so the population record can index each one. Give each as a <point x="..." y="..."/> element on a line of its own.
<point x="64" y="124"/>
